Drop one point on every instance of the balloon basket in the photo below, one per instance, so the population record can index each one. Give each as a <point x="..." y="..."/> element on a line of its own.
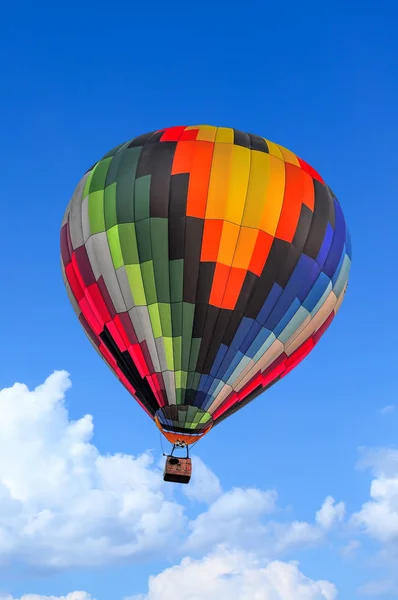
<point x="177" y="469"/>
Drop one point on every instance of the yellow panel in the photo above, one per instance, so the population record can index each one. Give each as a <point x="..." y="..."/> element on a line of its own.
<point x="244" y="250"/>
<point x="219" y="177"/>
<point x="225" y="135"/>
<point x="207" y="133"/>
<point x="274" y="149"/>
<point x="274" y="198"/>
<point x="289" y="156"/>
<point x="260" y="170"/>
<point x="229" y="238"/>
<point x="238" y="182"/>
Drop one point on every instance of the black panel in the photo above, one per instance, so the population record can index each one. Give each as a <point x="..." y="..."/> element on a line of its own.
<point x="176" y="238"/>
<point x="258" y="143"/>
<point x="216" y="337"/>
<point x="206" y="276"/>
<point x="178" y="195"/>
<point x="303" y="227"/>
<point x="241" y="138"/>
<point x="140" y="140"/>
<point x="208" y="332"/>
<point x="199" y="320"/>
<point x="322" y="214"/>
<point x="193" y="246"/>
<point x="129" y="370"/>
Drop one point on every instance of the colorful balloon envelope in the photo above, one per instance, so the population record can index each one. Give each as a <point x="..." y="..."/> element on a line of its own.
<point x="204" y="264"/>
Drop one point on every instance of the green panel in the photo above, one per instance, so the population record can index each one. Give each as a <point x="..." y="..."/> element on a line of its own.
<point x="206" y="417"/>
<point x="197" y="417"/>
<point x="148" y="278"/>
<point x="191" y="412"/>
<point x="96" y="212"/>
<point x="196" y="379"/>
<point x="188" y="313"/>
<point x="155" y="320"/>
<point x="177" y="351"/>
<point x="98" y="179"/>
<point x="168" y="348"/>
<point x="136" y="284"/>
<point x="114" y="150"/>
<point x="141" y="197"/>
<point x="181" y="379"/>
<point x="176" y="318"/>
<point x="114" y="246"/>
<point x="179" y="395"/>
<point x="176" y="268"/>
<point x="128" y="243"/>
<point x="193" y="358"/>
<point x="160" y="255"/>
<point x="125" y="184"/>
<point x="165" y="318"/>
<point x="143" y="232"/>
<point x="110" y="206"/>
<point x="87" y="183"/>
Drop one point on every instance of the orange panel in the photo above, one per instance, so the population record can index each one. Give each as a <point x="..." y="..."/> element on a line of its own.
<point x="292" y="201"/>
<point x="219" y="282"/>
<point x="233" y="289"/>
<point x="261" y="251"/>
<point x="245" y="248"/>
<point x="211" y="240"/>
<point x="173" y="438"/>
<point x="199" y="179"/>
<point x="183" y="157"/>
<point x="229" y="239"/>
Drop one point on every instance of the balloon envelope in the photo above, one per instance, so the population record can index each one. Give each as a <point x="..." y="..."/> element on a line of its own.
<point x="204" y="264"/>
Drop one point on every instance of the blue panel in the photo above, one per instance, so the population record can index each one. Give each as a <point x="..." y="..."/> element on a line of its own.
<point x="337" y="271"/>
<point x="269" y="304"/>
<point x="200" y="399"/>
<point x="204" y="380"/>
<point x="294" y="324"/>
<point x="244" y="327"/>
<point x="218" y="360"/>
<point x="326" y="244"/>
<point x="250" y="337"/>
<point x="342" y="278"/>
<point x="300" y="275"/>
<point x="311" y="277"/>
<point x="316" y="293"/>
<point x="258" y="342"/>
<point x="337" y="245"/>
<point x="287" y="317"/>
<point x="348" y="244"/>
<point x="236" y="360"/>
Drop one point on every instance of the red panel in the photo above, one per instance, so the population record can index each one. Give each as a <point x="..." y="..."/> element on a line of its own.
<point x="172" y="134"/>
<point x="261" y="252"/>
<point x="292" y="200"/>
<point x="274" y="372"/>
<point x="94" y="296"/>
<point x="183" y="157"/>
<point x="319" y="333"/>
<point x="189" y="134"/>
<point x="106" y="297"/>
<point x="74" y="283"/>
<point x="117" y="338"/>
<point x="81" y="257"/>
<point x="310" y="170"/>
<point x="138" y="359"/>
<point x="298" y="355"/>
<point x="65" y="254"/>
<point x="233" y="288"/>
<point x="90" y="316"/>
<point x="230" y="401"/>
<point x="125" y="328"/>
<point x="218" y="286"/>
<point x="250" y="387"/>
<point x="77" y="272"/>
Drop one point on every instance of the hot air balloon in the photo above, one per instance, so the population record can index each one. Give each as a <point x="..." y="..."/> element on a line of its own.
<point x="204" y="264"/>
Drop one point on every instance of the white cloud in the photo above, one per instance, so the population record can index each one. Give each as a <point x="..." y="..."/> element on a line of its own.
<point x="235" y="575"/>
<point x="379" y="516"/>
<point x="62" y="503"/>
<point x="234" y="518"/>
<point x="330" y="513"/>
<point x="351" y="548"/>
<point x="378" y="588"/>
<point x="71" y="596"/>
<point x="387" y="410"/>
<point x="204" y="485"/>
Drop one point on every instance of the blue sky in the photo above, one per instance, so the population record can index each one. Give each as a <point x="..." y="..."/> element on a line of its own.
<point x="318" y="79"/>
